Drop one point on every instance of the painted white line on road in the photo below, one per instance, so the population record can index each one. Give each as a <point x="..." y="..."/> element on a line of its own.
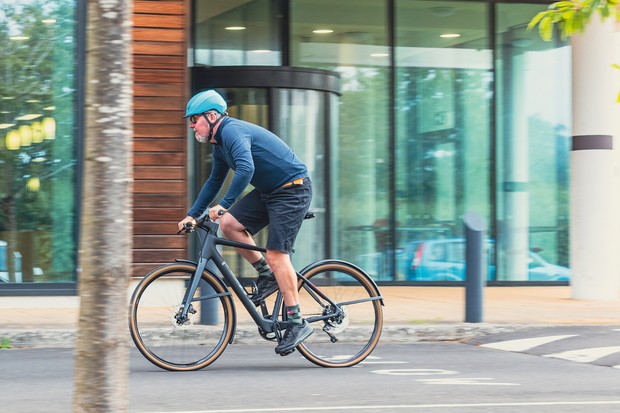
<point x="414" y="372"/>
<point x="384" y="362"/>
<point x="467" y="381"/>
<point x="401" y="406"/>
<point x="525" y="343"/>
<point x="616" y="367"/>
<point x="585" y="355"/>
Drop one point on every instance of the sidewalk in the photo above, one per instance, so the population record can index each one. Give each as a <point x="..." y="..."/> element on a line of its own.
<point x="410" y="314"/>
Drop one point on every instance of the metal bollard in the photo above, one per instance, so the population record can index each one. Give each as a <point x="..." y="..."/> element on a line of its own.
<point x="475" y="268"/>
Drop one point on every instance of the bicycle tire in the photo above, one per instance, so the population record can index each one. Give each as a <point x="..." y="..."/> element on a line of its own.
<point x="156" y="332"/>
<point x="358" y="331"/>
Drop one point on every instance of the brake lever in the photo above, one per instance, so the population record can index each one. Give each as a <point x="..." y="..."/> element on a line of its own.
<point x="187" y="229"/>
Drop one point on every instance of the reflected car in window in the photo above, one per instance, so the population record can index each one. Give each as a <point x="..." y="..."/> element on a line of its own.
<point x="444" y="260"/>
<point x="4" y="272"/>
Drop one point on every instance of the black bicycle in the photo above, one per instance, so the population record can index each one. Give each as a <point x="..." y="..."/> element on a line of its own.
<point x="182" y="315"/>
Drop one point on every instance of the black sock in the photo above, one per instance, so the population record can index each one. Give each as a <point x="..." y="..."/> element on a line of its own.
<point x="262" y="268"/>
<point x="293" y="314"/>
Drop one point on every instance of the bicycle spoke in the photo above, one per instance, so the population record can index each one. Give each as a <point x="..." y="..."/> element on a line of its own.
<point x="347" y="328"/>
<point x="163" y="336"/>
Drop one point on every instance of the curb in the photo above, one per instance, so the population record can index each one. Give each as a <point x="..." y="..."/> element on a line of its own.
<point x="248" y="334"/>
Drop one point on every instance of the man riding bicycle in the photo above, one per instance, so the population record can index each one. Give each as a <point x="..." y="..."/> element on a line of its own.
<point x="280" y="198"/>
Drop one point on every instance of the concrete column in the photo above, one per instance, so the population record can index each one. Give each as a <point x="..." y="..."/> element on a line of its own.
<point x="593" y="202"/>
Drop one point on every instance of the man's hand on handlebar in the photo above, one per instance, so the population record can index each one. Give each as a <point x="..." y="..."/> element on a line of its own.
<point x="185" y="223"/>
<point x="216" y="212"/>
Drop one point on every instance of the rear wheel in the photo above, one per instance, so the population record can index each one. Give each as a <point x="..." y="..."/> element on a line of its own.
<point x="162" y="336"/>
<point x="348" y="338"/>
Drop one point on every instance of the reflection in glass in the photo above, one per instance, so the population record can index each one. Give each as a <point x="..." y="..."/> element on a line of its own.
<point x="533" y="143"/>
<point x="444" y="91"/>
<point x="37" y="152"/>
<point x="355" y="45"/>
<point x="242" y="33"/>
<point x="300" y="122"/>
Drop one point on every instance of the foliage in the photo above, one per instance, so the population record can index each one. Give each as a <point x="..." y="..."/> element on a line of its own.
<point x="5" y="343"/>
<point x="37" y="76"/>
<point x="571" y="17"/>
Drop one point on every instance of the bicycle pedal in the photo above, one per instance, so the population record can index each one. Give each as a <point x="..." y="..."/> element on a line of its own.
<point x="286" y="353"/>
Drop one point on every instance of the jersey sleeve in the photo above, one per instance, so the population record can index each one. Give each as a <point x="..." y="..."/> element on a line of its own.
<point x="211" y="187"/>
<point x="239" y="145"/>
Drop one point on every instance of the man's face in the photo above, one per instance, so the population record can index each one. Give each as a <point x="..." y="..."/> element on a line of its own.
<point x="200" y="127"/>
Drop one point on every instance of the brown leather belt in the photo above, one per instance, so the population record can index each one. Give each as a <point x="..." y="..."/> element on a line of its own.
<point x="299" y="181"/>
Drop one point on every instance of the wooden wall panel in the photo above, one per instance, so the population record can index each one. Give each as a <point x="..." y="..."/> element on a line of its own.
<point x="160" y="30"/>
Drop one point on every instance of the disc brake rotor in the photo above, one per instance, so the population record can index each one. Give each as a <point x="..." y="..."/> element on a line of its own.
<point x="188" y="322"/>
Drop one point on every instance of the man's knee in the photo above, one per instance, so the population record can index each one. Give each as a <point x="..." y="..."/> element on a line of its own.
<point x="229" y="225"/>
<point x="277" y="258"/>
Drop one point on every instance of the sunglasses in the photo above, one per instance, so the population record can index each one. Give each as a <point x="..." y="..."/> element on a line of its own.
<point x="194" y="118"/>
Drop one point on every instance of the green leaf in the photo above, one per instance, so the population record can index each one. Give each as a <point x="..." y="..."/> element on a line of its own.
<point x="618" y="100"/>
<point x="615" y="66"/>
<point x="563" y="5"/>
<point x="546" y="29"/>
<point x="536" y="19"/>
<point x="604" y="12"/>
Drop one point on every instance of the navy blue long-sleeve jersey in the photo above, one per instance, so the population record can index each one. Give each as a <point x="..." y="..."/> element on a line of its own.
<point x="257" y="156"/>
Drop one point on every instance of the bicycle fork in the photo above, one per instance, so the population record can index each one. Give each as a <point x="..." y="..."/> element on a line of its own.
<point x="186" y="305"/>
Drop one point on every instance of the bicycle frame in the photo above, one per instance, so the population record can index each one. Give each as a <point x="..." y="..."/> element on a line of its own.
<point x="209" y="252"/>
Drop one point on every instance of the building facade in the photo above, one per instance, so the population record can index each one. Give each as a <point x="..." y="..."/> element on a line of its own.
<point x="409" y="114"/>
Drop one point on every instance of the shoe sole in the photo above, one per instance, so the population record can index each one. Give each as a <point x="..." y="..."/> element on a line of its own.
<point x="288" y="350"/>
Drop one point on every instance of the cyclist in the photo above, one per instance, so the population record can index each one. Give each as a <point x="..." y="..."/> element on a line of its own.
<point x="280" y="198"/>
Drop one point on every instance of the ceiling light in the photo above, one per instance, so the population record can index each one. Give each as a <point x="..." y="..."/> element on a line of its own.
<point x="450" y="35"/>
<point x="19" y="38"/>
<point x="6" y="125"/>
<point x="380" y="54"/>
<point x="261" y="51"/>
<point x="49" y="128"/>
<point x="48" y="21"/>
<point x="235" y="28"/>
<point x="50" y="108"/>
<point x="322" y="31"/>
<point x="12" y="140"/>
<point x="30" y="116"/>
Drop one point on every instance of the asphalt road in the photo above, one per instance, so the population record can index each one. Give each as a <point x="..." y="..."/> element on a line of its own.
<point x="452" y="377"/>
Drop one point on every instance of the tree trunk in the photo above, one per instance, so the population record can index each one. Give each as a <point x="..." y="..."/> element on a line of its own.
<point x="102" y="351"/>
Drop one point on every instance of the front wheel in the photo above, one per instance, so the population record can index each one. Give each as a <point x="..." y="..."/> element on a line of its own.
<point x="162" y="336"/>
<point x="352" y="332"/>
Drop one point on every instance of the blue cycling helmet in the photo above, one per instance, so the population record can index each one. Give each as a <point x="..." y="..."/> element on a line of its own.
<point x="205" y="101"/>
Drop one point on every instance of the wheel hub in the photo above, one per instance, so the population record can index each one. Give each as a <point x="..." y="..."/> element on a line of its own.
<point x="178" y="321"/>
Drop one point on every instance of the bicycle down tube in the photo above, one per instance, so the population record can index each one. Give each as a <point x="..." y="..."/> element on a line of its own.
<point x="210" y="253"/>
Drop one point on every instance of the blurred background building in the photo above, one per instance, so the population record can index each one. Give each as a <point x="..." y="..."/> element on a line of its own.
<point x="408" y="113"/>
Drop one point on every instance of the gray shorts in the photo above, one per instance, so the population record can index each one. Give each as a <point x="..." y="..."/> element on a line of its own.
<point x="283" y="210"/>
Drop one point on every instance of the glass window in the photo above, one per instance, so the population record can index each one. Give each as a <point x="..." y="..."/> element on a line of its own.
<point x="327" y="35"/>
<point x="236" y="33"/>
<point x="533" y="142"/>
<point x="443" y="151"/>
<point x="300" y="122"/>
<point x="38" y="148"/>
